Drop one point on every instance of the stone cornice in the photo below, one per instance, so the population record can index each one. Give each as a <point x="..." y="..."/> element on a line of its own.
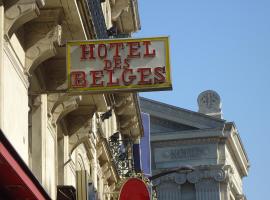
<point x="237" y="149"/>
<point x="188" y="141"/>
<point x="187" y="134"/>
<point x="179" y="115"/>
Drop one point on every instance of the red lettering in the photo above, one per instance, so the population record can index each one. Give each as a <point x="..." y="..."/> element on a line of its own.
<point x="117" y="63"/>
<point x="111" y="83"/>
<point x="147" y="53"/>
<point x="160" y="75"/>
<point x="107" y="64"/>
<point x="126" y="63"/>
<point x="96" y="76"/>
<point x="117" y="46"/>
<point x="131" y="77"/>
<point x="100" y="47"/>
<point x="86" y="51"/>
<point x="145" y="73"/>
<point x="78" y="79"/>
<point x="133" y="49"/>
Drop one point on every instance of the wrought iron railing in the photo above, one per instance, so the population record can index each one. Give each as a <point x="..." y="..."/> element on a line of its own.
<point x="122" y="155"/>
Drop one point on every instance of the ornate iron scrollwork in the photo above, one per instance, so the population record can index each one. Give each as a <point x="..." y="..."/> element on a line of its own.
<point x="122" y="155"/>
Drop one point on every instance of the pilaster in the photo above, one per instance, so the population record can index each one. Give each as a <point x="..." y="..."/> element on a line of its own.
<point x="207" y="189"/>
<point x="39" y="127"/>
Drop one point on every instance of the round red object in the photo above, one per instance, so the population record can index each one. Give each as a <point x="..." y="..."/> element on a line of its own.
<point x="134" y="189"/>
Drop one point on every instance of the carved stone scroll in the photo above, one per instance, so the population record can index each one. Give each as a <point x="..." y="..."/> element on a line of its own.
<point x="118" y="8"/>
<point x="43" y="49"/>
<point x="64" y="108"/>
<point x="20" y="13"/>
<point x="217" y="174"/>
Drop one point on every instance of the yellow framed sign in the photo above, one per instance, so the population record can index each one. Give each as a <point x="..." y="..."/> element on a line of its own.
<point x="116" y="65"/>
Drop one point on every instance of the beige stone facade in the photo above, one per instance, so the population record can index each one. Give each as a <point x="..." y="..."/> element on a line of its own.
<point x="63" y="138"/>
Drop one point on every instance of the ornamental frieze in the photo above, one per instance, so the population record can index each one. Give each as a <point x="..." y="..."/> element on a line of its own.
<point x="218" y="174"/>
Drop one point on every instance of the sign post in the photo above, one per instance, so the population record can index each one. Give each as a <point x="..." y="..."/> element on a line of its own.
<point x="118" y="65"/>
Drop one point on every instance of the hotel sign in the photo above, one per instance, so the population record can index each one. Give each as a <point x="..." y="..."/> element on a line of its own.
<point x="119" y="65"/>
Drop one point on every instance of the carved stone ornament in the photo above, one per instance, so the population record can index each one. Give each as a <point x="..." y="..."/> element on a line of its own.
<point x="177" y="178"/>
<point x="194" y="177"/>
<point x="43" y="49"/>
<point x="209" y="103"/>
<point x="20" y="13"/>
<point x="54" y="100"/>
<point x="64" y="108"/>
<point x="118" y="8"/>
<point x="218" y="174"/>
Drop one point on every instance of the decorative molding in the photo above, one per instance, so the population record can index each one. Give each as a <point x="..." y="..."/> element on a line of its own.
<point x="217" y="173"/>
<point x="123" y="105"/>
<point x="20" y="13"/>
<point x="105" y="167"/>
<point x="210" y="103"/>
<point x="178" y="178"/>
<point x="37" y="101"/>
<point x="118" y="7"/>
<point x="107" y="174"/>
<point x="64" y="108"/>
<point x="203" y="173"/>
<point x="54" y="100"/>
<point x="43" y="49"/>
<point x="209" y="140"/>
<point x="129" y="123"/>
<point x="179" y="115"/>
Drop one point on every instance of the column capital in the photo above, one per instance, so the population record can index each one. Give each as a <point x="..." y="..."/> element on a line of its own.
<point x="217" y="173"/>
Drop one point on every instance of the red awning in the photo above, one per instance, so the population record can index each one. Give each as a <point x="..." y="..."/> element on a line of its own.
<point x="16" y="180"/>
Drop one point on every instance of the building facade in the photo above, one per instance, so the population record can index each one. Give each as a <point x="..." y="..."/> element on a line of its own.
<point x="201" y="141"/>
<point x="64" y="139"/>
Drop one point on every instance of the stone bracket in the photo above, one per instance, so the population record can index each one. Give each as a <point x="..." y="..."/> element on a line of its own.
<point x="119" y="7"/>
<point x="18" y="14"/>
<point x="64" y="108"/>
<point x="43" y="49"/>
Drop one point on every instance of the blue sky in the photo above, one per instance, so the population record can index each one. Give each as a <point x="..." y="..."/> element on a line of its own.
<point x="224" y="46"/>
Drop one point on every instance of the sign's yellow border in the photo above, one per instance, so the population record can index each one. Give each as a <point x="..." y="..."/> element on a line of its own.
<point x="165" y="86"/>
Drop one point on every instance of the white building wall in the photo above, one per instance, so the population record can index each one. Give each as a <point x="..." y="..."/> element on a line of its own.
<point x="15" y="100"/>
